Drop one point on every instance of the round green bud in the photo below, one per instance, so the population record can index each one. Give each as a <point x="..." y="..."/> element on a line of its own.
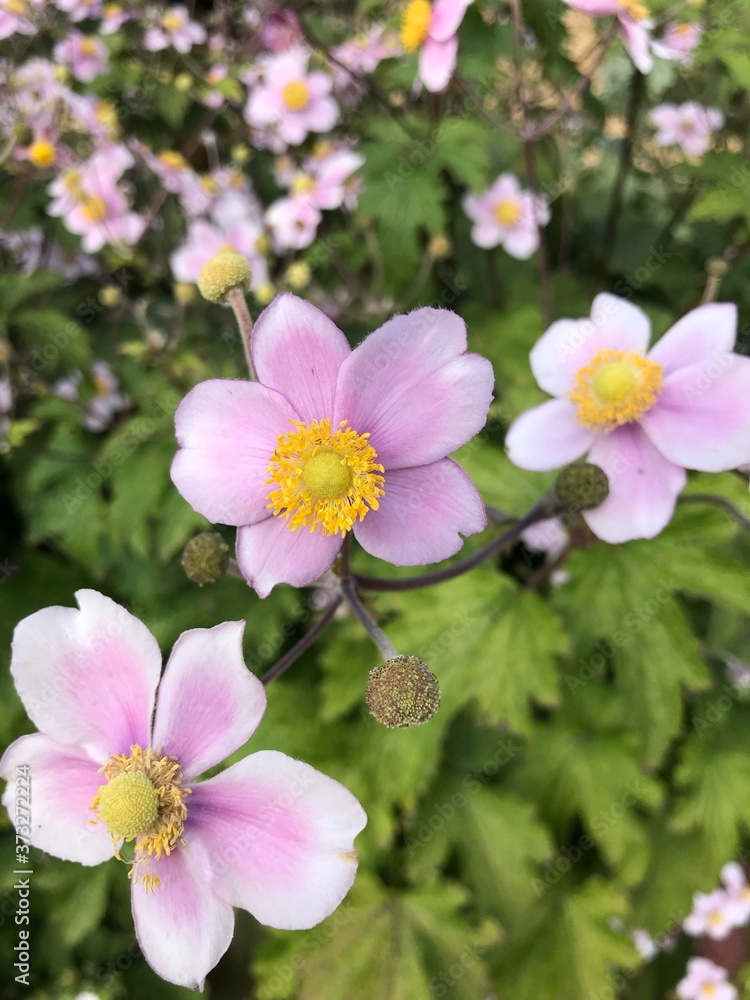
<point x="403" y="692"/>
<point x="221" y="274"/>
<point x="205" y="558"/>
<point x="582" y="486"/>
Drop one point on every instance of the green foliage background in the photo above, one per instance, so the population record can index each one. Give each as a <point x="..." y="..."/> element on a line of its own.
<point x="590" y="760"/>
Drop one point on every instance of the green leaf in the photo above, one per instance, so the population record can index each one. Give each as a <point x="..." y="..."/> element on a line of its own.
<point x="81" y="910"/>
<point x="721" y="204"/>
<point x="738" y="64"/>
<point x="18" y="288"/>
<point x="56" y="340"/>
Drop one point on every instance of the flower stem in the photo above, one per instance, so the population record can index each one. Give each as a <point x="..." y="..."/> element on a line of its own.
<point x="236" y="300"/>
<point x="304" y="643"/>
<point x="721" y="502"/>
<point x="377" y="635"/>
<point x="547" y="507"/>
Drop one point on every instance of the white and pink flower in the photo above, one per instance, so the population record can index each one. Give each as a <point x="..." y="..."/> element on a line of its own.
<point x="113" y="760"/>
<point x="175" y="30"/>
<point x="79" y="10"/>
<point x="332" y="439"/>
<point x="504" y="215"/>
<point x="644" y="418"/>
<point x="635" y="26"/>
<point x="678" y="42"/>
<point x="432" y="29"/>
<point x="690" y="126"/>
<point x="85" y="56"/>
<point x="705" y="981"/>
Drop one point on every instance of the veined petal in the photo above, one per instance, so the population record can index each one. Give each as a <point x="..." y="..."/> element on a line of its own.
<point x="547" y="437"/>
<point x="63" y="783"/>
<point x="278" y="838"/>
<point x="414" y="390"/>
<point x="298" y="350"/>
<point x="423" y="515"/>
<point x="209" y="703"/>
<point x="643" y="486"/>
<point x="227" y="430"/>
<point x="88" y="677"/>
<point x="183" y="928"/>
<point x="269" y="553"/>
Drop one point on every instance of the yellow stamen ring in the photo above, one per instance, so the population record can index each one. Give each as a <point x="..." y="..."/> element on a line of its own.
<point x="324" y="478"/>
<point x="415" y="24"/>
<point x="614" y="388"/>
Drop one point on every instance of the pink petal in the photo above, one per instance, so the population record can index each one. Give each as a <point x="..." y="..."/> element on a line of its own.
<point x="298" y="350"/>
<point x="702" y="417"/>
<point x="637" y="41"/>
<point x="88" y="677"/>
<point x="702" y="334"/>
<point x="209" y="703"/>
<point x="414" y="390"/>
<point x="228" y="430"/>
<point x="596" y="8"/>
<point x="570" y="344"/>
<point x="63" y="782"/>
<point x="183" y="928"/>
<point x="547" y="437"/>
<point x="423" y="514"/>
<point x="643" y="486"/>
<point x="278" y="838"/>
<point x="437" y="60"/>
<point x="446" y="18"/>
<point x="321" y="115"/>
<point x="522" y="241"/>
<point x="269" y="553"/>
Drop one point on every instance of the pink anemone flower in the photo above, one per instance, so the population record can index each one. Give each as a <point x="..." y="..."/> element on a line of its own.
<point x="505" y="215"/>
<point x="332" y="439"/>
<point x="643" y="418"/>
<point x="705" y="981"/>
<point x="689" y="125"/>
<point x="432" y="28"/>
<point x="269" y="834"/>
<point x="634" y="22"/>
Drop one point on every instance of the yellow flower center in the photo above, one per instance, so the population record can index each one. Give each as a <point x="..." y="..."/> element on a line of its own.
<point x="171" y="158"/>
<point x="709" y="989"/>
<point x="16" y="7"/>
<point x="614" y="388"/>
<point x="42" y="153"/>
<point x="683" y="29"/>
<point x="324" y="478"/>
<point x="508" y="213"/>
<point x="72" y="182"/>
<point x="415" y="24"/>
<point x="637" y="10"/>
<point x="302" y="184"/>
<point x="106" y="113"/>
<point x="113" y="10"/>
<point x="172" y="22"/>
<point x="143" y="798"/>
<point x="88" y="46"/>
<point x="715" y="918"/>
<point x="209" y="184"/>
<point x="94" y="209"/>
<point x="296" y="95"/>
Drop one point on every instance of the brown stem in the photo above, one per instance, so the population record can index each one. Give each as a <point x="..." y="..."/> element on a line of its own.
<point x="304" y="643"/>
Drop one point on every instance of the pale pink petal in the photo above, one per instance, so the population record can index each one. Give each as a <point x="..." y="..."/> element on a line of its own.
<point x="298" y="350"/>
<point x="505" y="188"/>
<point x="643" y="486"/>
<point x="522" y="241"/>
<point x="446" y="18"/>
<point x="423" y="515"/>
<point x="569" y="344"/>
<point x="209" y="703"/>
<point x="437" y="60"/>
<point x="547" y="437"/>
<point x="637" y="41"/>
<point x="704" y="334"/>
<point x="487" y="234"/>
<point x="227" y="430"/>
<point x="183" y="928"/>
<point x="596" y="8"/>
<point x="269" y="553"/>
<point x="278" y="838"/>
<point x="63" y="781"/>
<point x="414" y="390"/>
<point x="88" y="677"/>
<point x="321" y="115"/>
<point x="702" y="417"/>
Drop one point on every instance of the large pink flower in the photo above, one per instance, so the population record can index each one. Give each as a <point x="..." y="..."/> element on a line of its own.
<point x="270" y="834"/>
<point x="644" y="418"/>
<point x="432" y="28"/>
<point x="332" y="439"/>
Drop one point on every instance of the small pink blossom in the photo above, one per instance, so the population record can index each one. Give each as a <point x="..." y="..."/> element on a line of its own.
<point x="506" y="216"/>
<point x="102" y="214"/>
<point x="174" y="30"/>
<point x="363" y="53"/>
<point x="280" y="30"/>
<point x="15" y="20"/>
<point x="84" y="55"/>
<point x="390" y="410"/>
<point x="734" y="878"/>
<point x="705" y="981"/>
<point x="269" y="834"/>
<point x="79" y="10"/>
<point x="715" y="915"/>
<point x="113" y="18"/>
<point x="689" y="126"/>
<point x="293" y="222"/>
<point x="290" y="101"/>
<point x="678" y="43"/>
<point x="642" y="417"/>
<point x="432" y="28"/>
<point x="634" y="23"/>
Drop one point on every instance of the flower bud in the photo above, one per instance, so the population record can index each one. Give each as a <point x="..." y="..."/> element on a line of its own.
<point x="184" y="292"/>
<point x="439" y="247"/>
<point x="205" y="558"/>
<point x="403" y="692"/>
<point x="582" y="486"/>
<point x="716" y="267"/>
<point x="298" y="275"/>
<point x="221" y="274"/>
<point x="110" y="295"/>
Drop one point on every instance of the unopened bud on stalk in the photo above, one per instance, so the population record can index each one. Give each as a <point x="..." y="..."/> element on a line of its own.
<point x="221" y="274"/>
<point x="205" y="558"/>
<point x="582" y="486"/>
<point x="403" y="692"/>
